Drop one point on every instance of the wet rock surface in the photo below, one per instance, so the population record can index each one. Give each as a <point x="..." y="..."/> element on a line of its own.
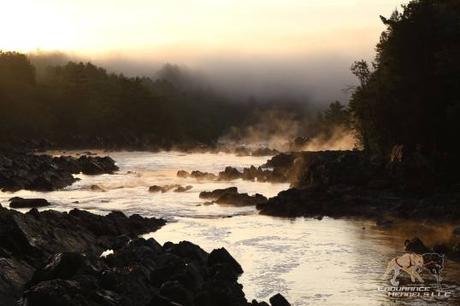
<point x="171" y="187"/>
<point x="53" y="258"/>
<point x="18" y="202"/>
<point x="352" y="184"/>
<point x="46" y="173"/>
<point x="27" y="241"/>
<point x="231" y="196"/>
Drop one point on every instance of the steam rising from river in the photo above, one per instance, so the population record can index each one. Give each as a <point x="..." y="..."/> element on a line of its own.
<point x="339" y="139"/>
<point x="311" y="262"/>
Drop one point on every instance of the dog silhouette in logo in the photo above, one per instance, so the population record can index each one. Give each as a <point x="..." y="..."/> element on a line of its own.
<point x="413" y="264"/>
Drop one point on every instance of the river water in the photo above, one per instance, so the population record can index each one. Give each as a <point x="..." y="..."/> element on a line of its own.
<point x="311" y="262"/>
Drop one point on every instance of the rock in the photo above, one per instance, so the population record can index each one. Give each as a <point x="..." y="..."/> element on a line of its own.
<point x="166" y="188"/>
<point x="61" y="265"/>
<point x="222" y="257"/>
<point x="58" y="292"/>
<point x="155" y="188"/>
<point x="229" y="174"/>
<point x="241" y="199"/>
<point x="183" y="174"/>
<point x="279" y="300"/>
<point x="215" y="194"/>
<point x="20" y="170"/>
<point x="183" y="188"/>
<point x="18" y="202"/>
<point x="96" y="165"/>
<point x="203" y="175"/>
<point x="176" y="292"/>
<point x="44" y="252"/>
<point x="264" y="152"/>
<point x="230" y="196"/>
<point x="188" y="250"/>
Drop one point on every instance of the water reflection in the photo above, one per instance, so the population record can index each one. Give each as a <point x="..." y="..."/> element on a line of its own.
<point x="312" y="262"/>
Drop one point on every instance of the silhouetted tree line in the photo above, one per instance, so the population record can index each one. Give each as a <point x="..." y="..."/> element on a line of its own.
<point x="410" y="95"/>
<point x="80" y="104"/>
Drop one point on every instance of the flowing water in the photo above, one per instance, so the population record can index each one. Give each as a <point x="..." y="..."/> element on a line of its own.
<point x="311" y="262"/>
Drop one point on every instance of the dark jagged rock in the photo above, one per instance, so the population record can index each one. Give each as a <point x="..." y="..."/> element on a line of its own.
<point x="94" y="165"/>
<point x="221" y="257"/>
<point x="18" y="202"/>
<point x="183" y="188"/>
<point x="27" y="240"/>
<point x="230" y="196"/>
<point x="203" y="175"/>
<point x="215" y="194"/>
<point x="166" y="188"/>
<point x="229" y="174"/>
<point x="46" y="173"/>
<point x="183" y="174"/>
<point x="279" y="300"/>
<point x="155" y="188"/>
<point x="199" y="175"/>
<point x="352" y="184"/>
<point x="241" y="199"/>
<point x="264" y="152"/>
<point x="53" y="258"/>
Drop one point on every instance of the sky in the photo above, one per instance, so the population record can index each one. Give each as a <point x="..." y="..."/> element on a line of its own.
<point x="222" y="34"/>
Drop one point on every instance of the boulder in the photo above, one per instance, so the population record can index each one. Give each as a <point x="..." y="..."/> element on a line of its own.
<point x="229" y="174"/>
<point x="18" y="202"/>
<point x="222" y="257"/>
<point x="217" y="193"/>
<point x="155" y="188"/>
<point x="173" y="187"/>
<point x="183" y="188"/>
<point x="183" y="174"/>
<point x="279" y="300"/>
<point x="203" y="175"/>
<point x="20" y="170"/>
<point x="241" y="199"/>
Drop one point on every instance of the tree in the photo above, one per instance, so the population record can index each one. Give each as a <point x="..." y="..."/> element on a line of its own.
<point x="412" y="95"/>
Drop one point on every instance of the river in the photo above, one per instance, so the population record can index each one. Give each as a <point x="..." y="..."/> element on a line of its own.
<point x="309" y="261"/>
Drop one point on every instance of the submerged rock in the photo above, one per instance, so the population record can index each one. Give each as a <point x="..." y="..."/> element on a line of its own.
<point x="230" y="196"/>
<point x="166" y="188"/>
<point x="203" y="175"/>
<point x="215" y="194"/>
<point x="183" y="188"/>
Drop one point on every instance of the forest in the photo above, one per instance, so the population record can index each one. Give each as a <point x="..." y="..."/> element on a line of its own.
<point x="80" y="104"/>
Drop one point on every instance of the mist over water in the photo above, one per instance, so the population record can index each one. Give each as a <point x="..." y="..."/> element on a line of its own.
<point x="311" y="262"/>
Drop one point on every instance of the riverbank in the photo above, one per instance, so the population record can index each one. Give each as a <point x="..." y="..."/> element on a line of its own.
<point x="26" y="170"/>
<point x="55" y="258"/>
<point x="291" y="254"/>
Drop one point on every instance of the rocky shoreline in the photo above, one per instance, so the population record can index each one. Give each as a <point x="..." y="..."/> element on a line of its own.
<point x="352" y="184"/>
<point x="24" y="170"/>
<point x="54" y="258"/>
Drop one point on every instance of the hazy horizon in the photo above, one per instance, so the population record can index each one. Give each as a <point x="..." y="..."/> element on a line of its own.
<point x="303" y="48"/>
